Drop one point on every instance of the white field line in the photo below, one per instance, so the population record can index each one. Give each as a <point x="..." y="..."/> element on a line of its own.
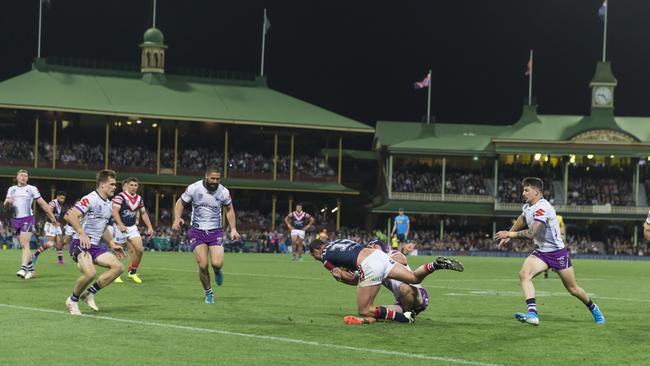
<point x="261" y="337"/>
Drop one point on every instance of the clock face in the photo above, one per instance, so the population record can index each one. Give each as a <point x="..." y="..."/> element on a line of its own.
<point x="603" y="96"/>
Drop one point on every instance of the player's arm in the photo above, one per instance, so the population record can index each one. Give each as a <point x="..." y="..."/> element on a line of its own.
<point x="47" y="209"/>
<point x="147" y="221"/>
<point x="346" y="277"/>
<point x="178" y="213"/>
<point x="529" y="233"/>
<point x="646" y="231"/>
<point x="287" y="222"/>
<point x="108" y="238"/>
<point x="394" y="228"/>
<point x="503" y="235"/>
<point x="310" y="223"/>
<point x="8" y="201"/>
<point x="230" y="215"/>
<point x="73" y="217"/>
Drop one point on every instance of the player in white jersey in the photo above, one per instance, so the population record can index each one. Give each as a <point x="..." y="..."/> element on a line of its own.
<point x="550" y="252"/>
<point x="207" y="197"/>
<point x="89" y="218"/>
<point x="20" y="198"/>
<point x="53" y="232"/>
<point x="126" y="205"/>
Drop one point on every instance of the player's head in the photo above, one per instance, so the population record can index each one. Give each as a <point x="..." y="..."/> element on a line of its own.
<point x="316" y="248"/>
<point x="323" y="235"/>
<point x="378" y="244"/>
<point x="130" y="185"/>
<point x="299" y="207"/>
<point x="532" y="189"/>
<point x="60" y="196"/>
<point x="212" y="178"/>
<point x="106" y="182"/>
<point x="22" y="177"/>
<point x="401" y="211"/>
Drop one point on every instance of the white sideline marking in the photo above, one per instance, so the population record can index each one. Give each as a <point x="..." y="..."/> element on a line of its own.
<point x="257" y="336"/>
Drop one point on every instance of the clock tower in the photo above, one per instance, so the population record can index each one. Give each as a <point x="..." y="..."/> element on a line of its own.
<point x="602" y="87"/>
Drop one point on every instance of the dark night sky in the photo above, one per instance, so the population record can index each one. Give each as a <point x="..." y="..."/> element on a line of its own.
<point x="360" y="58"/>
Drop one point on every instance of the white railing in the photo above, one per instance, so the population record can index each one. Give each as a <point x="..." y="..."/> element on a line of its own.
<point x="595" y="209"/>
<point x="432" y="197"/>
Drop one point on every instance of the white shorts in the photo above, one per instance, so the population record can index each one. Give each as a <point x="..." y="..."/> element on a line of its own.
<point x="52" y="230"/>
<point x="68" y="230"/>
<point x="375" y="268"/>
<point x="120" y="237"/>
<point x="298" y="233"/>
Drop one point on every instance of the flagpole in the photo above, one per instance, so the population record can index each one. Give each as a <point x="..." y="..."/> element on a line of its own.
<point x="40" y="19"/>
<point x="530" y="80"/>
<point x="605" y="33"/>
<point x="263" y="43"/>
<point x="154" y="13"/>
<point x="429" y="100"/>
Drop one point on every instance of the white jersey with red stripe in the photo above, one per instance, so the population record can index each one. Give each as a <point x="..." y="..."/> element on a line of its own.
<point x="56" y="208"/>
<point x="23" y="197"/>
<point x="96" y="212"/>
<point x="550" y="238"/>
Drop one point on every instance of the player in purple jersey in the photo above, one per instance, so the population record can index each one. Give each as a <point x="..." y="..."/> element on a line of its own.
<point x="207" y="198"/>
<point x="126" y="205"/>
<point x="354" y="264"/>
<point x="20" y="198"/>
<point x="53" y="232"/>
<point x="89" y="218"/>
<point x="550" y="252"/>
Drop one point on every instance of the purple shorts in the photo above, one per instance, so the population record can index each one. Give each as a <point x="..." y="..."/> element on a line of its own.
<point x="557" y="260"/>
<point x="94" y="250"/>
<point x="24" y="224"/>
<point x="213" y="238"/>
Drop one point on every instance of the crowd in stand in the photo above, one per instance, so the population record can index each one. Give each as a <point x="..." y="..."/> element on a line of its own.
<point x="590" y="191"/>
<point x="417" y="178"/>
<point x="133" y="158"/>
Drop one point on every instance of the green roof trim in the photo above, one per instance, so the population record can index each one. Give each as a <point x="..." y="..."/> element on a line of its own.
<point x="604" y="74"/>
<point x="173" y="180"/>
<point x="123" y="94"/>
<point x="443" y="208"/>
<point x="351" y="154"/>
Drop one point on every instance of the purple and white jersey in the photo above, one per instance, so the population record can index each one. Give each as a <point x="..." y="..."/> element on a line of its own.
<point x="23" y="197"/>
<point x="96" y="213"/>
<point x="550" y="238"/>
<point x="206" y="205"/>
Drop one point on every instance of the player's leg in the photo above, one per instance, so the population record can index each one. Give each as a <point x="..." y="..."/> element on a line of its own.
<point x="294" y="245"/>
<point x="366" y="296"/>
<point x="408" y="296"/>
<point x="532" y="266"/>
<point x="216" y="260"/>
<point x="135" y="256"/>
<point x="569" y="280"/>
<point x="299" y="245"/>
<point x="87" y="269"/>
<point x="59" y="249"/>
<point x="201" y="256"/>
<point x="50" y="239"/>
<point x="26" y="265"/>
<point x="115" y="269"/>
<point x="401" y="273"/>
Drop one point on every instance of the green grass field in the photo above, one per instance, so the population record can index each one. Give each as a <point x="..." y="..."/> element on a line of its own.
<point x="275" y="311"/>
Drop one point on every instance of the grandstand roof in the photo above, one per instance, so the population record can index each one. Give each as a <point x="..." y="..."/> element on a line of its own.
<point x="558" y="134"/>
<point x="102" y="91"/>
